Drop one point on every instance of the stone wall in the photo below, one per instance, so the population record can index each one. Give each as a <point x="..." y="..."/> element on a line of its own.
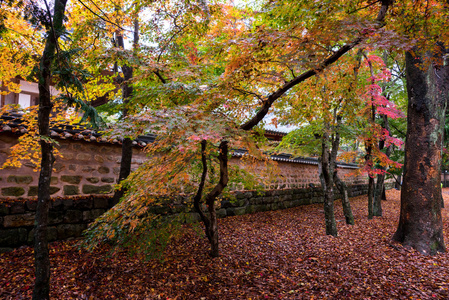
<point x="67" y="218"/>
<point x="88" y="167"/>
<point x="70" y="216"/>
<point x="83" y="180"/>
<point x="85" y="168"/>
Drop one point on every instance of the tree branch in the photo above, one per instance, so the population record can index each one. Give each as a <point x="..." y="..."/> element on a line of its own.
<point x="312" y="72"/>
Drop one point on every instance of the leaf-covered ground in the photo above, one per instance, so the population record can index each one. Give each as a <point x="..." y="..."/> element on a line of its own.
<point x="271" y="255"/>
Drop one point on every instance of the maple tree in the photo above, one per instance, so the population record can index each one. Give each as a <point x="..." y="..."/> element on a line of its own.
<point x="53" y="65"/>
<point x="375" y="136"/>
<point x="191" y="144"/>
<point x="152" y="68"/>
<point x="411" y="23"/>
<point x="261" y="66"/>
<point x="339" y="102"/>
<point x="335" y="105"/>
<point x="42" y="261"/>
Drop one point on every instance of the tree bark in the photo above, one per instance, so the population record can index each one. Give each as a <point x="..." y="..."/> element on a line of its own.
<point x="347" y="211"/>
<point x="420" y="224"/>
<point x="370" y="197"/>
<point x="199" y="193"/>
<point x="326" y="164"/>
<point x="384" y="195"/>
<point x="211" y="197"/>
<point x="210" y="222"/>
<point x="398" y="182"/>
<point x="41" y="252"/>
<point x="127" y="145"/>
<point x="380" y="185"/>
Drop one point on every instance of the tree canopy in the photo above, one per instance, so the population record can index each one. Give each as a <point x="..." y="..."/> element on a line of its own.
<point x="202" y="75"/>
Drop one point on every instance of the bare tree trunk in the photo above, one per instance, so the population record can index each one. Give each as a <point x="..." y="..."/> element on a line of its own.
<point x="41" y="252"/>
<point x="347" y="211"/>
<point x="384" y="195"/>
<point x="420" y="224"/>
<point x="380" y="186"/>
<point x="370" y="197"/>
<point x="127" y="91"/>
<point x="210" y="222"/>
<point x="326" y="164"/>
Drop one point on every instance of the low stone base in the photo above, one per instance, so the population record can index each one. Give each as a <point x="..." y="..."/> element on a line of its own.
<point x="70" y="217"/>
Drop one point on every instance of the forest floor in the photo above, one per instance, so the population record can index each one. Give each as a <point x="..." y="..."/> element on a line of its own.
<point x="282" y="254"/>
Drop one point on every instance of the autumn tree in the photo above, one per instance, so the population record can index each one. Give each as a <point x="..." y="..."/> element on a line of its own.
<point x="375" y="136"/>
<point x="420" y="225"/>
<point x="260" y="71"/>
<point x="161" y="48"/>
<point x="41" y="252"/>
<point x="188" y="167"/>
<point x="393" y="89"/>
<point x="410" y="23"/>
<point x="324" y="109"/>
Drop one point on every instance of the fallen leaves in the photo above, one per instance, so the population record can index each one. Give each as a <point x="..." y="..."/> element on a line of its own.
<point x="272" y="255"/>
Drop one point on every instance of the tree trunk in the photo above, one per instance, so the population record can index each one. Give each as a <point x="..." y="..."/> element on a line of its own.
<point x="326" y="164"/>
<point x="210" y="222"/>
<point x="127" y="91"/>
<point x="420" y="224"/>
<point x="370" y="197"/>
<point x="380" y="186"/>
<point x="41" y="253"/>
<point x="211" y="197"/>
<point x="398" y="183"/>
<point x="125" y="168"/>
<point x="347" y="211"/>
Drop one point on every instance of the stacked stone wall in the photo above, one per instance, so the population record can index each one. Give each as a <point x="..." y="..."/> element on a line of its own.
<point x="84" y="168"/>
<point x="67" y="218"/>
<point x="91" y="168"/>
<point x="83" y="180"/>
<point x="70" y="216"/>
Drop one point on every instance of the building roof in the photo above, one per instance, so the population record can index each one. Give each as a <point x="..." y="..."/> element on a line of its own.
<point x="13" y="122"/>
<point x="284" y="157"/>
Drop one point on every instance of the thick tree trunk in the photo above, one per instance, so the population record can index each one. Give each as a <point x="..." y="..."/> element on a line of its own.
<point x="41" y="253"/>
<point x="347" y="211"/>
<point x="420" y="224"/>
